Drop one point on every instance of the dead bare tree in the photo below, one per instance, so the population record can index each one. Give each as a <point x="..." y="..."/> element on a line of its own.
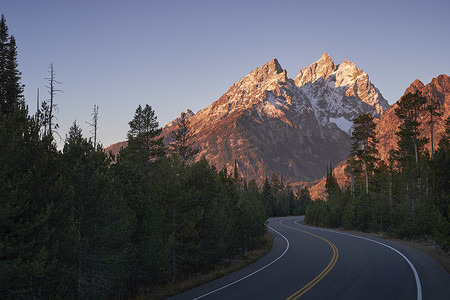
<point x="52" y="91"/>
<point x="94" y="124"/>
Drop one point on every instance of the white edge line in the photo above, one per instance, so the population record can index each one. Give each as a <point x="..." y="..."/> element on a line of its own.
<point x="416" y="275"/>
<point x="245" y="277"/>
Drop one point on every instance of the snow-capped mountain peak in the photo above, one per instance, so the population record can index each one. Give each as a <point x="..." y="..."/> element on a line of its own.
<point x="320" y="69"/>
<point x="344" y="90"/>
<point x="268" y="122"/>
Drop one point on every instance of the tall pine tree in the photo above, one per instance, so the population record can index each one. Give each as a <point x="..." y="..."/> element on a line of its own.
<point x="182" y="145"/>
<point x="11" y="89"/>
<point x="411" y="142"/>
<point x="103" y="220"/>
<point x="362" y="156"/>
<point x="28" y="173"/>
<point x="143" y="137"/>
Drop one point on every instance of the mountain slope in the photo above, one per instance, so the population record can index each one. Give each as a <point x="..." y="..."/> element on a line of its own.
<point x="439" y="88"/>
<point x="269" y="123"/>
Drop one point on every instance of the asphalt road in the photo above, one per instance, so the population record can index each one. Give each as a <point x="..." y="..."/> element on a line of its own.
<point x="313" y="263"/>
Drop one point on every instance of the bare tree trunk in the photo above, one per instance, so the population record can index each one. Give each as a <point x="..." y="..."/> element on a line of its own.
<point x="432" y="146"/>
<point x="37" y="106"/>
<point x="415" y="153"/>
<point x="367" y="177"/>
<point x="173" y="254"/>
<point x="52" y="93"/>
<point x="94" y="125"/>
<point x="390" y="197"/>
<point x="79" y="262"/>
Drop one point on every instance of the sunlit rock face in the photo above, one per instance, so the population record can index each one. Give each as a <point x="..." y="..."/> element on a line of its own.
<point x="269" y="123"/>
<point x="438" y="88"/>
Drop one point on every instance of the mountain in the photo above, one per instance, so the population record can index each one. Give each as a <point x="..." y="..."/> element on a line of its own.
<point x="269" y="123"/>
<point x="438" y="88"/>
<point x="387" y="126"/>
<point x="187" y="115"/>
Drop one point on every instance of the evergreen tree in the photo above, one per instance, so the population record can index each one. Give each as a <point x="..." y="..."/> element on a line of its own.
<point x="143" y="178"/>
<point x="28" y="173"/>
<point x="304" y="199"/>
<point x="143" y="136"/>
<point x="433" y="108"/>
<point x="441" y="165"/>
<point x="14" y="89"/>
<point x="268" y="198"/>
<point x="4" y="51"/>
<point x="331" y="184"/>
<point x="252" y="216"/>
<point x="11" y="90"/>
<point x="362" y="156"/>
<point x="408" y="111"/>
<point x="104" y="222"/>
<point x="182" y="146"/>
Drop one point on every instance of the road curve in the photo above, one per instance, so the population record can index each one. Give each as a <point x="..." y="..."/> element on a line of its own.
<point x="314" y="263"/>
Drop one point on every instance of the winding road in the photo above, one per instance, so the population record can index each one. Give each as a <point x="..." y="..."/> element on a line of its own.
<point x="314" y="263"/>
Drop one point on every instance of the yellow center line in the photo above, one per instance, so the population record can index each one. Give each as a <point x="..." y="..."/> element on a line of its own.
<point x="322" y="274"/>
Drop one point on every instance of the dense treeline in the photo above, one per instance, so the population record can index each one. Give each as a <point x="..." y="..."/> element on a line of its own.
<point x="408" y="196"/>
<point x="280" y="200"/>
<point x="76" y="226"/>
<point x="79" y="224"/>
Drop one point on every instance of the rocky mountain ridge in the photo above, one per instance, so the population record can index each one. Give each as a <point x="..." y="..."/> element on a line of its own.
<point x="438" y="88"/>
<point x="187" y="114"/>
<point x="269" y="123"/>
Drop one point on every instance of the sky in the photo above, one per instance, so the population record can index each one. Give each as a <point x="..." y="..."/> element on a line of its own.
<point x="175" y="55"/>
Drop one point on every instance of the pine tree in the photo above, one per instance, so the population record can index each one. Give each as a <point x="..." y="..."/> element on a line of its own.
<point x="11" y="90"/>
<point x="4" y="51"/>
<point x="182" y="145"/>
<point x="433" y="108"/>
<point x="409" y="156"/>
<point x="145" y="180"/>
<point x="408" y="111"/>
<point x="143" y="137"/>
<point x="14" y="89"/>
<point x="362" y="156"/>
<point x="268" y="198"/>
<point x="104" y="222"/>
<point x="29" y="170"/>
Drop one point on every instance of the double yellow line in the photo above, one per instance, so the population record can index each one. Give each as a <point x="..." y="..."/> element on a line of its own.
<point x="325" y="271"/>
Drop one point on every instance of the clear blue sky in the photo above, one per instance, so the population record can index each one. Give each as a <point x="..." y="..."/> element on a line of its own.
<point x="175" y="55"/>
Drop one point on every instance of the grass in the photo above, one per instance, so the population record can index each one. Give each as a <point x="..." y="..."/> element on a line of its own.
<point x="257" y="249"/>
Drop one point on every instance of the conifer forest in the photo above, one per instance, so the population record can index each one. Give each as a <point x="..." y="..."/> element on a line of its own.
<point x="79" y="223"/>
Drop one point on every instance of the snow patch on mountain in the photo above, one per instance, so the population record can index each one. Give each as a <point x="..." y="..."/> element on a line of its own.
<point x="344" y="124"/>
<point x="339" y="92"/>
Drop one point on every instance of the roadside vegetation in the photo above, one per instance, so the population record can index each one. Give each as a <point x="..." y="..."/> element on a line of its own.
<point x="408" y="196"/>
<point x="79" y="224"/>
